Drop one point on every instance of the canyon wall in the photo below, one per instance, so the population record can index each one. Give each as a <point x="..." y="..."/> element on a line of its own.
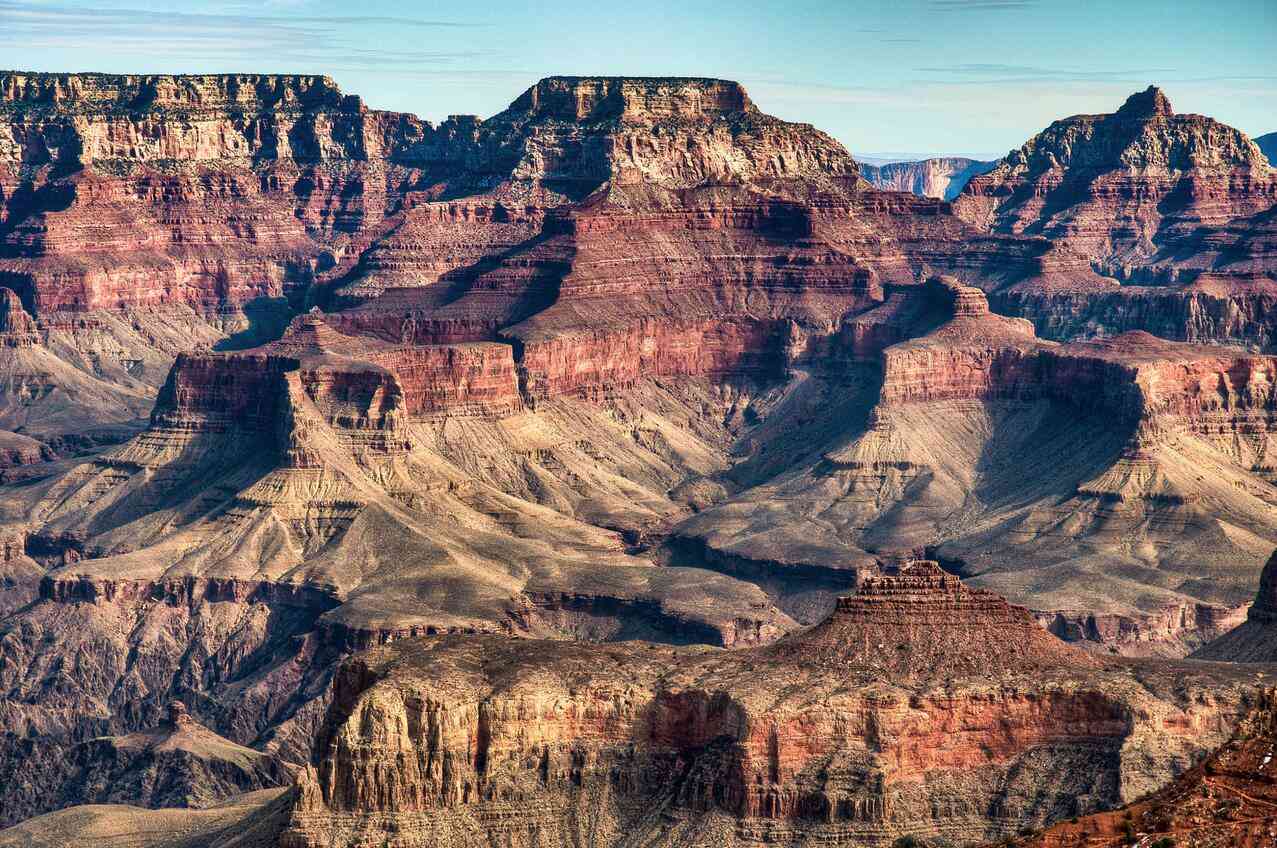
<point x="942" y="177"/>
<point x="422" y="741"/>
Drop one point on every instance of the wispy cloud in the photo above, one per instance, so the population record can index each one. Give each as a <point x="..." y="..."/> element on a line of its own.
<point x="231" y="33"/>
<point x="984" y="72"/>
<point x="981" y="5"/>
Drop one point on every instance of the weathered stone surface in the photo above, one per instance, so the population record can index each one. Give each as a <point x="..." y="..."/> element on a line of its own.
<point x="621" y="308"/>
<point x="963" y="452"/>
<point x="1147" y="197"/>
<point x="1225" y="801"/>
<point x="942" y="177"/>
<point x="920" y="707"/>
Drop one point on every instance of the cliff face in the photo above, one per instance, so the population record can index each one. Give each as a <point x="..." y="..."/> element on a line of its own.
<point x="1068" y="181"/>
<point x="1145" y="197"/>
<point x="941" y="177"/>
<point x="1268" y="145"/>
<point x="1223" y="801"/>
<point x="630" y="359"/>
<point x="970" y="413"/>
<point x="425" y="738"/>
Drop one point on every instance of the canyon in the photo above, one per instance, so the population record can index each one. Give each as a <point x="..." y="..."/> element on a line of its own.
<point x="578" y="471"/>
<point x="942" y="177"/>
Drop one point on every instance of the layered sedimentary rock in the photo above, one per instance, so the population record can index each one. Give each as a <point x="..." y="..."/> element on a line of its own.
<point x="964" y="452"/>
<point x="960" y="704"/>
<point x="177" y="764"/>
<point x="1118" y="187"/>
<point x="1268" y="144"/>
<point x="1225" y="801"/>
<point x="1144" y="197"/>
<point x="617" y="308"/>
<point x="941" y="177"/>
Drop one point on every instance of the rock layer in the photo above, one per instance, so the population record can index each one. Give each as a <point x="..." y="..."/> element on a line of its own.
<point x="942" y="177"/>
<point x="444" y="740"/>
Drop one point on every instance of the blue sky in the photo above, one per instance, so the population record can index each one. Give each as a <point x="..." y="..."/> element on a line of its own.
<point x="923" y="77"/>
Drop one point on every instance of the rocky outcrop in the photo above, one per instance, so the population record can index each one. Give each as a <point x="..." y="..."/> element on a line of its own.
<point x="17" y="328"/>
<point x="962" y="402"/>
<point x="942" y="177"/>
<point x="1066" y="181"/>
<point x="178" y="763"/>
<point x="1225" y="800"/>
<point x="1172" y="213"/>
<point x="425" y="737"/>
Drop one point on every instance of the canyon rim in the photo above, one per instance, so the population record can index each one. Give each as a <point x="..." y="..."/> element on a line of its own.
<point x="633" y="465"/>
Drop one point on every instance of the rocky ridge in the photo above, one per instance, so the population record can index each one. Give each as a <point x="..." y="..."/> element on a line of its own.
<point x="1226" y="800"/>
<point x="1147" y="414"/>
<point x="620" y="308"/>
<point x="426" y="740"/>
<point x="1171" y="215"/>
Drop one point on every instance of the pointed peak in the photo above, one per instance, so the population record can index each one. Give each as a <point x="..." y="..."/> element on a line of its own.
<point x="1149" y="103"/>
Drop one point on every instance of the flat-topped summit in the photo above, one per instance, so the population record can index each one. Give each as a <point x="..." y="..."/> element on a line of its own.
<point x="95" y="93"/>
<point x="577" y="99"/>
<point x="916" y="621"/>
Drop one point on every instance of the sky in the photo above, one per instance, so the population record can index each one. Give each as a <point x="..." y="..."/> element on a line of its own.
<point x="896" y="79"/>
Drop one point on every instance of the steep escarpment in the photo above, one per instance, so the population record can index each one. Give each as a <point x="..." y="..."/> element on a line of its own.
<point x="942" y="177"/>
<point x="965" y="452"/>
<point x="426" y="738"/>
<point x="1117" y="187"/>
<point x="1225" y="801"/>
<point x="630" y="359"/>
<point x="1172" y="213"/>
<point x="327" y="493"/>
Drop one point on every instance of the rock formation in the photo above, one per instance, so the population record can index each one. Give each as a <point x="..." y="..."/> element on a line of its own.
<point x="291" y="378"/>
<point x="830" y="734"/>
<point x="180" y="763"/>
<point x="941" y="177"/>
<point x="1225" y="801"/>
<point x="959" y="454"/>
<point x="1255" y="639"/>
<point x="1167" y="217"/>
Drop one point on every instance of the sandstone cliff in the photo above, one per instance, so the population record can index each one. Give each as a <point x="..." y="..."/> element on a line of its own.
<point x="480" y="740"/>
<point x="959" y="454"/>
<point x="1143" y="197"/>
<point x="1226" y="801"/>
<point x="619" y="308"/>
<point x="942" y="177"/>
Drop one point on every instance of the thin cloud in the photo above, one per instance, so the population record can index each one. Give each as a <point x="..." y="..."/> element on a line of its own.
<point x="981" y="5"/>
<point x="991" y="72"/>
<point x="231" y="34"/>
